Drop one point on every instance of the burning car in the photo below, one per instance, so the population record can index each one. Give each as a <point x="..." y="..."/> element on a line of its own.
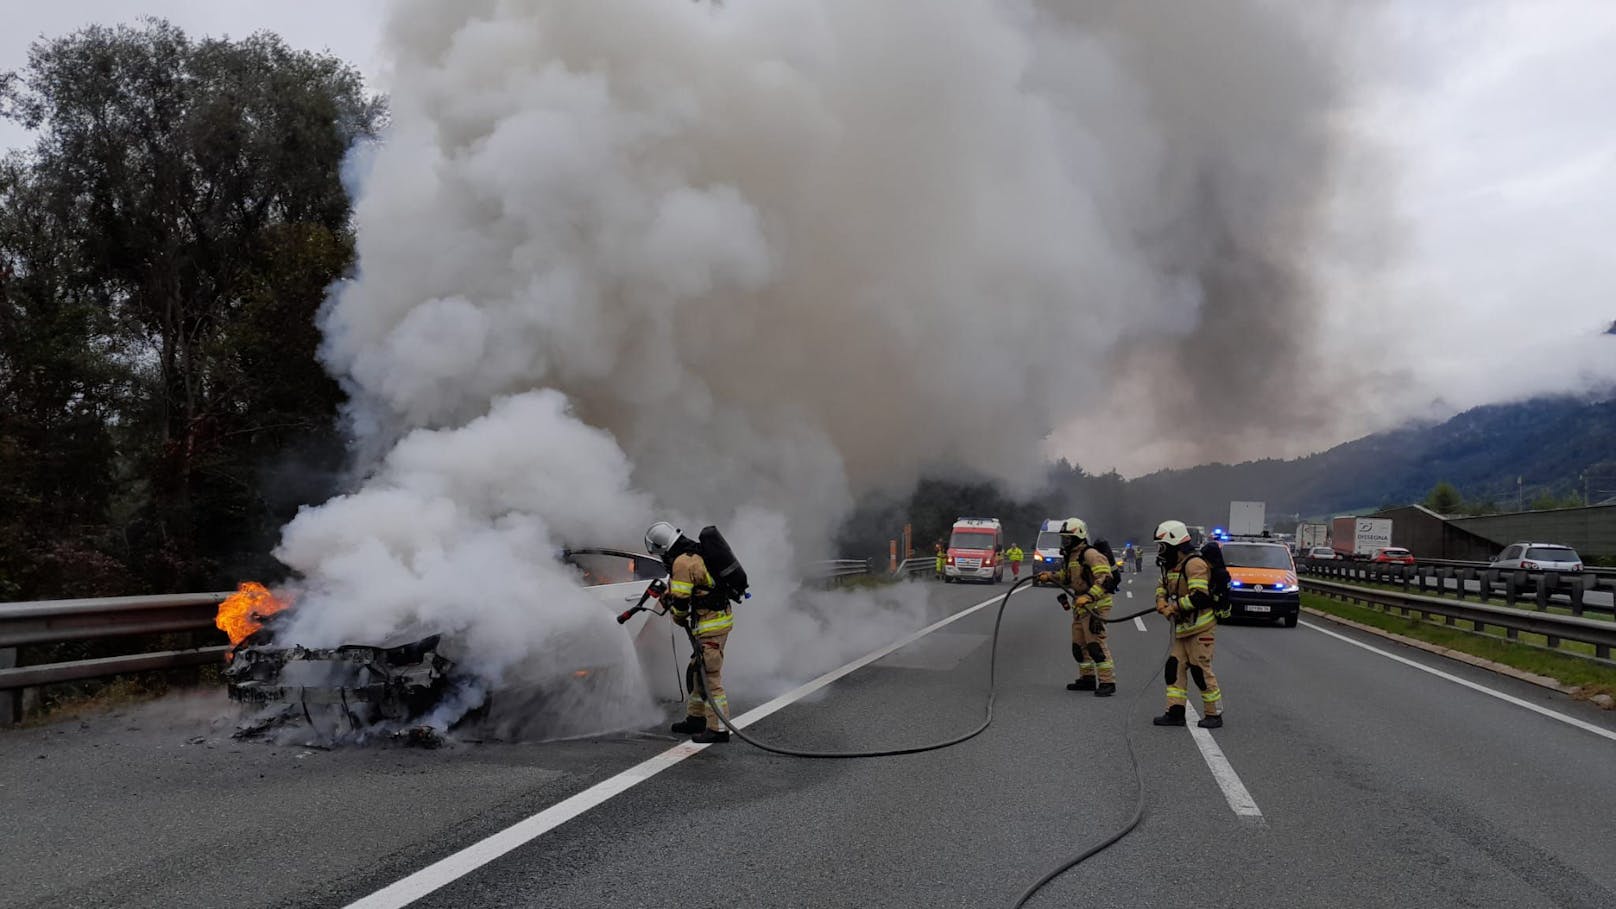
<point x="409" y="687"/>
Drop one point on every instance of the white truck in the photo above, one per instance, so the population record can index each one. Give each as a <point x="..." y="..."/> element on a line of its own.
<point x="1246" y="519"/>
<point x="1354" y="537"/>
<point x="1309" y="536"/>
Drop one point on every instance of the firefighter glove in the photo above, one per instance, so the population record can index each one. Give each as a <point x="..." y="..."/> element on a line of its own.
<point x="1045" y="577"/>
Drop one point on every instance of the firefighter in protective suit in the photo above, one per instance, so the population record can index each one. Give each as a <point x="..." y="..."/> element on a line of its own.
<point x="1087" y="573"/>
<point x="1185" y="597"/>
<point x="692" y="602"/>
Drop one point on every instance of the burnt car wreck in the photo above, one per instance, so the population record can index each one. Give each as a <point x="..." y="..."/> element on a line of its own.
<point x="342" y="691"/>
<point x="420" y="686"/>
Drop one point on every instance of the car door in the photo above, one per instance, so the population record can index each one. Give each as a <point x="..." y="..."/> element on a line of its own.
<point x="1511" y="557"/>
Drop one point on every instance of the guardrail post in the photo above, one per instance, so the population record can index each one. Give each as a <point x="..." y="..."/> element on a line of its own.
<point x="1578" y="584"/>
<point x="1511" y="594"/>
<point x="1485" y="589"/>
<point x="10" y="701"/>
<point x="1540" y="595"/>
<point x="1463" y="576"/>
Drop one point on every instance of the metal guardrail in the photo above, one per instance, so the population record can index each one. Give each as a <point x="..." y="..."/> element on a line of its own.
<point x="1554" y="628"/>
<point x="66" y="621"/>
<point x="1601" y="573"/>
<point x="917" y="565"/>
<point x="832" y="569"/>
<point x="1537" y="588"/>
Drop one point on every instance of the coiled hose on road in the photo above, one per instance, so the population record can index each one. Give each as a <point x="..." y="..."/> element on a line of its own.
<point x="987" y="720"/>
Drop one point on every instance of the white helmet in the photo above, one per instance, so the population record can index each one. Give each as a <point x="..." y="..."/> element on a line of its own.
<point x="1074" y="527"/>
<point x="660" y="537"/>
<point x="1173" y="533"/>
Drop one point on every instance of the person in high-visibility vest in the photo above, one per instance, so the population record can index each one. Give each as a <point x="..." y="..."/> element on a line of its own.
<point x="693" y="603"/>
<point x="1013" y="555"/>
<point x="1186" y="598"/>
<point x="942" y="562"/>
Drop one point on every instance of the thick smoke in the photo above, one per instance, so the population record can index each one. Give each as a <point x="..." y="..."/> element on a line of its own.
<point x="744" y="263"/>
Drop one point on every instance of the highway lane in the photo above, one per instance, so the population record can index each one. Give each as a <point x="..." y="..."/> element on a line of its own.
<point x="1379" y="785"/>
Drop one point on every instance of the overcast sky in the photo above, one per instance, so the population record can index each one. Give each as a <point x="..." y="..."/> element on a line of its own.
<point x="1492" y="129"/>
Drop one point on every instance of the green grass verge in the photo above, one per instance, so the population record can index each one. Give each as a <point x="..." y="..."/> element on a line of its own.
<point x="1593" y="678"/>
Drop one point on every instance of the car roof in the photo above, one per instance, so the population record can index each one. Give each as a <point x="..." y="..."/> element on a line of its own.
<point x="1254" y="543"/>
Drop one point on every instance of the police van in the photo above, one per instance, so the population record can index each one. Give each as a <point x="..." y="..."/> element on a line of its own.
<point x="1046" y="550"/>
<point x="975" y="551"/>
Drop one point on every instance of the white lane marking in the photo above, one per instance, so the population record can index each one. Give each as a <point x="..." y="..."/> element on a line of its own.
<point x="1245" y="807"/>
<point x="1139" y="622"/>
<point x="1552" y="714"/>
<point x="1130" y="594"/>
<point x="447" y="870"/>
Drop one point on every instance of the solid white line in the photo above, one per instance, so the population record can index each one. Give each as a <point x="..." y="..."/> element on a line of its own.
<point x="438" y="874"/>
<point x="1245" y="807"/>
<point x="1139" y="622"/>
<point x="1552" y="714"/>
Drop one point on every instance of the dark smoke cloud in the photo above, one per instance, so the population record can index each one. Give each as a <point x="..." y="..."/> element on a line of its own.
<point x="1246" y="98"/>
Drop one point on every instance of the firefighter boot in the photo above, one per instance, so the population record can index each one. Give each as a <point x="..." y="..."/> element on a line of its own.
<point x="1105" y="690"/>
<point x="689" y="725"/>
<point x="711" y="737"/>
<point x="1173" y="717"/>
<point x="1215" y="721"/>
<point x="1083" y="683"/>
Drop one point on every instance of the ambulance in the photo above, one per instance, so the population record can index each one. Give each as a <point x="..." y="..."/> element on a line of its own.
<point x="975" y="551"/>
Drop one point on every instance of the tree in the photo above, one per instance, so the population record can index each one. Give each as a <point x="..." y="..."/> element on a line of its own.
<point x="198" y="216"/>
<point x="1444" y="498"/>
<point x="59" y="387"/>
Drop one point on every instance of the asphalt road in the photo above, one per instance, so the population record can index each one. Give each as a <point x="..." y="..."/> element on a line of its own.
<point x="1378" y="785"/>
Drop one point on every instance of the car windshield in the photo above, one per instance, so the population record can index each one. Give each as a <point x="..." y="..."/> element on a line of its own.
<point x="966" y="539"/>
<point x="1049" y="539"/>
<point x="1552" y="554"/>
<point x="1395" y="552"/>
<point x="1256" y="555"/>
<point x="1323" y="550"/>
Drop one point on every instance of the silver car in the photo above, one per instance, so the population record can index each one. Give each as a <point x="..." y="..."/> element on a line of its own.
<point x="1538" y="557"/>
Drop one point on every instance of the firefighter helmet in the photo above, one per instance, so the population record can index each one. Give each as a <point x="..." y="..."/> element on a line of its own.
<point x="660" y="537"/>
<point x="1075" y="528"/>
<point x="1173" y="533"/>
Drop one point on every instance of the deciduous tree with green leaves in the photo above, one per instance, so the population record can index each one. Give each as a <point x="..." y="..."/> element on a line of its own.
<point x="172" y="232"/>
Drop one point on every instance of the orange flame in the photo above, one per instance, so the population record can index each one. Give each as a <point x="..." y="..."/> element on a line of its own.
<point x="244" y="611"/>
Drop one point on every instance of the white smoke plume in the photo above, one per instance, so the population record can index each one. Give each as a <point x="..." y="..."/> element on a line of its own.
<point x="742" y="263"/>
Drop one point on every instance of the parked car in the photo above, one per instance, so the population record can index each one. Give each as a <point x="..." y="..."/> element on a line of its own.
<point x="1538" y="557"/>
<point x="1394" y="555"/>
<point x="1323" y="552"/>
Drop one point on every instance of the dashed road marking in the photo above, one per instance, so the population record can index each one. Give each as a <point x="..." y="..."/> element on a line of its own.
<point x="1139" y="623"/>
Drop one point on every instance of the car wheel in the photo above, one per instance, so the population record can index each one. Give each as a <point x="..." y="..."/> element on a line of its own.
<point x="1290" y="620"/>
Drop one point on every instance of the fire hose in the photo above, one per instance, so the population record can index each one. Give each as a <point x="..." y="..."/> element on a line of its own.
<point x="987" y="720"/>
